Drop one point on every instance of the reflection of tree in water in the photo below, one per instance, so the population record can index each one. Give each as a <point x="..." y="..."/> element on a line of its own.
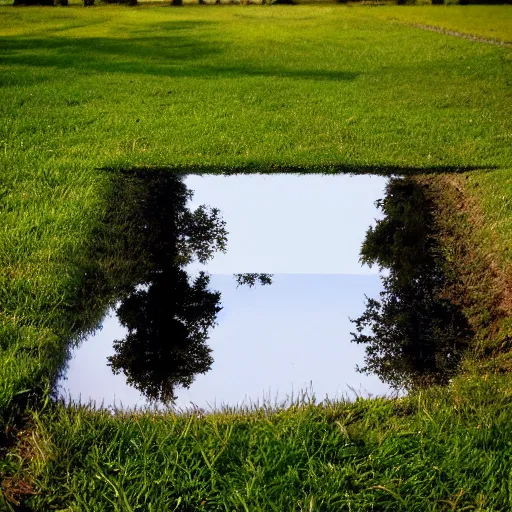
<point x="167" y="333"/>
<point x="416" y="336"/>
<point x="153" y="235"/>
<point x="250" y="279"/>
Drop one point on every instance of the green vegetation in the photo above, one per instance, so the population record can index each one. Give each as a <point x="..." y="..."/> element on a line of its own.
<point x="438" y="450"/>
<point x="493" y="191"/>
<point x="87" y="93"/>
<point x="260" y="88"/>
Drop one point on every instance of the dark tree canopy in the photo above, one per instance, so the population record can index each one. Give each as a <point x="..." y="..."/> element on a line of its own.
<point x="413" y="336"/>
<point x="200" y="233"/>
<point x="149" y="227"/>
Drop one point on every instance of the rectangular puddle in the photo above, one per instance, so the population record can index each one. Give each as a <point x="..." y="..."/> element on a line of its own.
<point x="271" y="342"/>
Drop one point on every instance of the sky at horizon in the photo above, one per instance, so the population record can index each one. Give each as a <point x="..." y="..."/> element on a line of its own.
<point x="270" y="341"/>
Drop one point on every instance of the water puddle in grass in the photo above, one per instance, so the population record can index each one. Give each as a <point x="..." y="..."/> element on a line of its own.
<point x="193" y="331"/>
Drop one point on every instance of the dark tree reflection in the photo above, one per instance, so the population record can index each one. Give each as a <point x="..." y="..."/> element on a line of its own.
<point x="167" y="332"/>
<point x="148" y="236"/>
<point x="250" y="279"/>
<point x="414" y="336"/>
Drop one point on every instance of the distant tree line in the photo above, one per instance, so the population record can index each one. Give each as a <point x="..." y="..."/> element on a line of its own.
<point x="88" y="3"/>
<point x="413" y="335"/>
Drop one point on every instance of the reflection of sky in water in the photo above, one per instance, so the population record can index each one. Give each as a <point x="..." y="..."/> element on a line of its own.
<point x="273" y="339"/>
<point x="291" y="224"/>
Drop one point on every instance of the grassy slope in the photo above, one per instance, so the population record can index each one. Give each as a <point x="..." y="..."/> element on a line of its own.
<point x="474" y="230"/>
<point x="482" y="257"/>
<point x="496" y="202"/>
<point x="247" y="88"/>
<point x="440" y="450"/>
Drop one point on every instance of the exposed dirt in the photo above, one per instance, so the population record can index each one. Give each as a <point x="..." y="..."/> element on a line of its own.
<point x="16" y="488"/>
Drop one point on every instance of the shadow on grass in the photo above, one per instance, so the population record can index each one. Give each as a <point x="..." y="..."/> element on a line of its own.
<point x="177" y="49"/>
<point x="354" y="169"/>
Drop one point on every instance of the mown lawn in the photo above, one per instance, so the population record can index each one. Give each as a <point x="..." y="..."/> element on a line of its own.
<point x="256" y="86"/>
<point x="248" y="89"/>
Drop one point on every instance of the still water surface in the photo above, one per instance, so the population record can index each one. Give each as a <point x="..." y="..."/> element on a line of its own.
<point x="270" y="341"/>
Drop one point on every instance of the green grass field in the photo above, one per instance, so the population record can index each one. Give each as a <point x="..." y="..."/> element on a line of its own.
<point x="327" y="88"/>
